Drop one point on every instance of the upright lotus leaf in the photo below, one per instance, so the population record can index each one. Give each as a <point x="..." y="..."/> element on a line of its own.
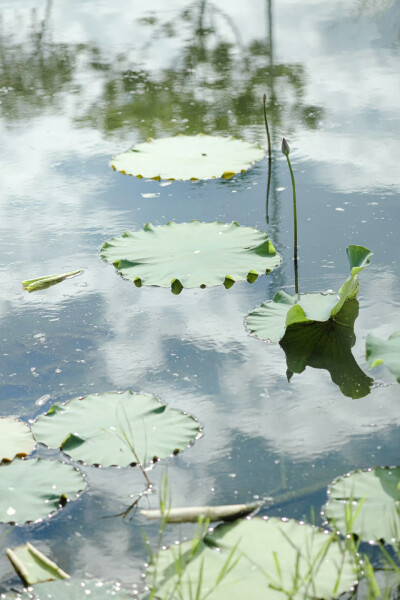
<point x="188" y="157"/>
<point x="384" y="351"/>
<point x="32" y="566"/>
<point x="270" y="320"/>
<point x="16" y="439"/>
<point x="73" y="589"/>
<point x="257" y="558"/>
<point x="41" y="283"/>
<point x="327" y="345"/>
<point x="33" y="489"/>
<point x="116" y="429"/>
<point x="366" y="503"/>
<point x="191" y="254"/>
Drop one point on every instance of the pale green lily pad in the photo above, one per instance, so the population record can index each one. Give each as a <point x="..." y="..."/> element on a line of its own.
<point x="33" y="489"/>
<point x="32" y="566"/>
<point x="270" y="320"/>
<point x="116" y="429"/>
<point x="188" y="157"/>
<point x="327" y="345"/>
<point x="72" y="589"/>
<point x="189" y="255"/>
<point x="16" y="439"/>
<point x="41" y="283"/>
<point x="384" y="351"/>
<point x="366" y="503"/>
<point x="264" y="559"/>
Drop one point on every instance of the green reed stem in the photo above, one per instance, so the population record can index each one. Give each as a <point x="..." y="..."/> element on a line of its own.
<point x="269" y="153"/>
<point x="285" y="151"/>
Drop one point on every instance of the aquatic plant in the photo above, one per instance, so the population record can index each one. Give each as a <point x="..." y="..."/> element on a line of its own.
<point x="41" y="283"/>
<point x="95" y="429"/>
<point x="387" y="352"/>
<point x="366" y="503"/>
<point x="188" y="158"/>
<point x="16" y="439"/>
<point x="270" y="320"/>
<point x="33" y="489"/>
<point x="189" y="255"/>
<point x="263" y="558"/>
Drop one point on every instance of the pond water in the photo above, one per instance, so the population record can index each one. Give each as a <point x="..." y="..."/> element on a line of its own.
<point x="83" y="81"/>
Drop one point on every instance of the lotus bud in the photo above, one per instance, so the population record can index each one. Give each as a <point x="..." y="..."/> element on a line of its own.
<point x="285" y="147"/>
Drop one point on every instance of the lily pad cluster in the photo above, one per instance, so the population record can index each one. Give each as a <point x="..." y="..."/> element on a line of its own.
<point x="110" y="429"/>
<point x="259" y="557"/>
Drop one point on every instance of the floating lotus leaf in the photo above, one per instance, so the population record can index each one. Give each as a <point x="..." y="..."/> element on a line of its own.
<point x="191" y="254"/>
<point x="366" y="503"/>
<point x="188" y="157"/>
<point x="116" y="429"/>
<point x="264" y="559"/>
<point x="32" y="566"/>
<point x="384" y="351"/>
<point x="72" y="589"/>
<point x="327" y="345"/>
<point x="16" y="438"/>
<point x="270" y="320"/>
<point x="41" y="283"/>
<point x="33" y="489"/>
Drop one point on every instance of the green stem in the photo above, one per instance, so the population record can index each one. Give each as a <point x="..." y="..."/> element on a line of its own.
<point x="296" y="275"/>
<point x="269" y="153"/>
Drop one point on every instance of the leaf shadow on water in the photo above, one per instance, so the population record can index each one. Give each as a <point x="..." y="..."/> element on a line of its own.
<point x="327" y="345"/>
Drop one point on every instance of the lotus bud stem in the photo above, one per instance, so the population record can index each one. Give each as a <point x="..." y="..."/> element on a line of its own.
<point x="285" y="151"/>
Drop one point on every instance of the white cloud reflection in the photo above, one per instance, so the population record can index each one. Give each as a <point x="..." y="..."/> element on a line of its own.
<point x="193" y="350"/>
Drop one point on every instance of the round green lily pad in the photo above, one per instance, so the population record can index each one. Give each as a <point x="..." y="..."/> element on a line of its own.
<point x="189" y="255"/>
<point x="366" y="503"/>
<point x="33" y="489"/>
<point x="116" y="429"/>
<point x="384" y="351"/>
<point x="269" y="559"/>
<point x="16" y="439"/>
<point x="188" y="157"/>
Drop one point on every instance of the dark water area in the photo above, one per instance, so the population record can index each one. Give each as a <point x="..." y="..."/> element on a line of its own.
<point x="81" y="82"/>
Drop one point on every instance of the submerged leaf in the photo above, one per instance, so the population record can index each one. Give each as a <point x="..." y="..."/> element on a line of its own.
<point x="366" y="503"/>
<point x="191" y="514"/>
<point x="41" y="283"/>
<point x="33" y="566"/>
<point x="32" y="489"/>
<point x="270" y="320"/>
<point x="191" y="254"/>
<point x="16" y="439"/>
<point x="116" y="429"/>
<point x="384" y="351"/>
<point x="188" y="157"/>
<point x="327" y="345"/>
<point x="264" y="559"/>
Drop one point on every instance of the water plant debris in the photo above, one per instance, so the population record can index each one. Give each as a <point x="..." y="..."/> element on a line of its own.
<point x="41" y="283"/>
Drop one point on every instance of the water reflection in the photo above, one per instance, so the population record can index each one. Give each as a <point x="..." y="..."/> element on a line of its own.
<point x="328" y="346"/>
<point x="215" y="84"/>
<point x="34" y="70"/>
<point x="102" y="76"/>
